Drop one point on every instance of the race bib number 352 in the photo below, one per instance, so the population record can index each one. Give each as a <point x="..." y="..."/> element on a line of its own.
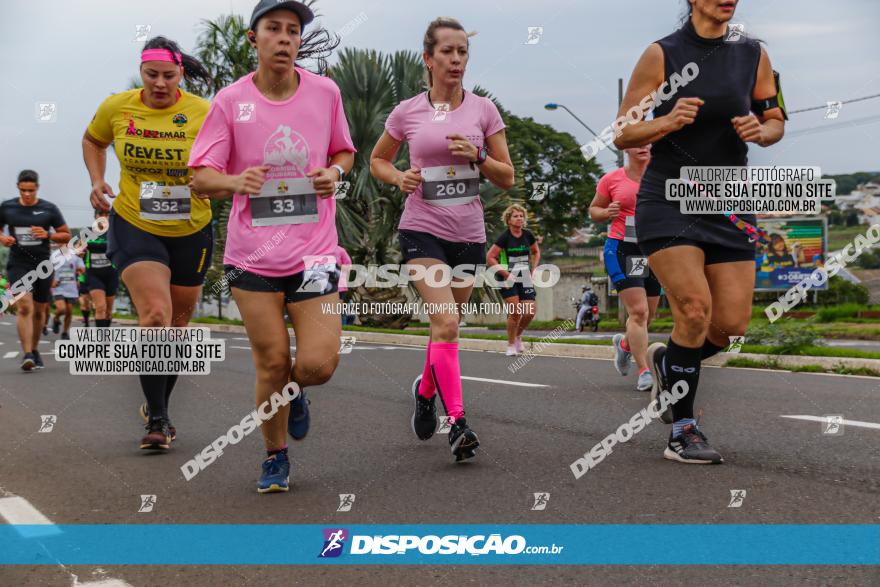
<point x="284" y="201"/>
<point x="164" y="202"/>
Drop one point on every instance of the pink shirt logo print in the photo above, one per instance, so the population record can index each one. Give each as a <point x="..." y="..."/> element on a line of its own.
<point x="287" y="150"/>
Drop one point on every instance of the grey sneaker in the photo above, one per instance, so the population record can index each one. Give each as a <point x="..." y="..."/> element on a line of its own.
<point x="621" y="357"/>
<point x="645" y="382"/>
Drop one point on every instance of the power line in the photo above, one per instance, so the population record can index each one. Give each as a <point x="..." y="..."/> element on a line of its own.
<point x="828" y="127"/>
<point x="824" y="106"/>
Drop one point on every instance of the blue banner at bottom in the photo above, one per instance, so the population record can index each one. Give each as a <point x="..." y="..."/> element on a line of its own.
<point x="427" y="544"/>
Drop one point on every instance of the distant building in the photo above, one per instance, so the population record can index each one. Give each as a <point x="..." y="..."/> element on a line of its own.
<point x="865" y="199"/>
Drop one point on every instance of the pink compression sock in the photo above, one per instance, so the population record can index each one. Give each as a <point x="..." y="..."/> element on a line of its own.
<point x="426" y="386"/>
<point x="447" y="374"/>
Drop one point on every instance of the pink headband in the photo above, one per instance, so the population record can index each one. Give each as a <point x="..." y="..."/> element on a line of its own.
<point x="161" y="55"/>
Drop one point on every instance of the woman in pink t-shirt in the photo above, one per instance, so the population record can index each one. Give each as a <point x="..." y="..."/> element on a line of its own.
<point x="454" y="137"/>
<point x="278" y="140"/>
<point x="625" y="264"/>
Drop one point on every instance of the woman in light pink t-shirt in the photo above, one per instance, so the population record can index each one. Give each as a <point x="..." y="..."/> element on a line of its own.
<point x="454" y="137"/>
<point x="277" y="141"/>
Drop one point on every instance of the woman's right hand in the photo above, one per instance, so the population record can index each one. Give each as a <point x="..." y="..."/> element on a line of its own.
<point x="250" y="181"/>
<point x="410" y="180"/>
<point x="683" y="113"/>
<point x="613" y="210"/>
<point x="97" y="199"/>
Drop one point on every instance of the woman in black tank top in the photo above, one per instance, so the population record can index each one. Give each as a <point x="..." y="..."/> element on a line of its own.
<point x="705" y="263"/>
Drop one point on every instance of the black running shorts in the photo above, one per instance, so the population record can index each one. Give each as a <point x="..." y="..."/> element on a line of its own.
<point x="188" y="257"/>
<point x="296" y="288"/>
<point x="41" y="288"/>
<point x="106" y="280"/>
<point x="423" y="245"/>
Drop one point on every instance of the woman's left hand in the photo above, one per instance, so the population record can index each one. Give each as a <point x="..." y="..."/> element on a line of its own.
<point x="324" y="180"/>
<point x="461" y="147"/>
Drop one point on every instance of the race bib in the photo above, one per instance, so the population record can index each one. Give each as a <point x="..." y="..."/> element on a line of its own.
<point x="99" y="260"/>
<point x="451" y="185"/>
<point x="164" y="202"/>
<point x="629" y="235"/>
<point x="518" y="261"/>
<point x="66" y="276"/>
<point x="284" y="201"/>
<point x="24" y="237"/>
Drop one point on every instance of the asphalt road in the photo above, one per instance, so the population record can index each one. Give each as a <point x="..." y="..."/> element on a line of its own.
<point x="89" y="468"/>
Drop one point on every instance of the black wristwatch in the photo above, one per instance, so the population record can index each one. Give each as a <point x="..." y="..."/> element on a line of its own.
<point x="482" y="155"/>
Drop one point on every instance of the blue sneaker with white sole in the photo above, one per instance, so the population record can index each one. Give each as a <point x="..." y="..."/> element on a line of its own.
<point x="298" y="418"/>
<point x="276" y="474"/>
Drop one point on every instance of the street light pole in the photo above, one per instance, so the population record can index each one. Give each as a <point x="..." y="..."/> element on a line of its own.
<point x="554" y="106"/>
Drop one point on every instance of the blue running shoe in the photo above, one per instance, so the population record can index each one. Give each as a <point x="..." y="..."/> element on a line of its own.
<point x="298" y="418"/>
<point x="276" y="474"/>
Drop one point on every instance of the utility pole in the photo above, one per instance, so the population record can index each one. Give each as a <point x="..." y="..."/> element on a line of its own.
<point x="621" y="309"/>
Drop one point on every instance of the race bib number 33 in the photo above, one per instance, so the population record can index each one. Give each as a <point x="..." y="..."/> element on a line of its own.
<point x="284" y="201"/>
<point x="164" y="202"/>
<point x="451" y="185"/>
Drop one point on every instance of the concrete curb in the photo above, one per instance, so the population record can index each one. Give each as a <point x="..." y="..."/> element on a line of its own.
<point x="580" y="351"/>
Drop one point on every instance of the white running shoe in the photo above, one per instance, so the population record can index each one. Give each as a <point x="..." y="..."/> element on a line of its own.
<point x="520" y="347"/>
<point x="621" y="357"/>
<point x="511" y="350"/>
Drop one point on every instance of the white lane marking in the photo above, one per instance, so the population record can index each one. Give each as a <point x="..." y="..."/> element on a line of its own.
<point x="244" y="348"/>
<point x="18" y="510"/>
<point x="10" y="355"/>
<point x="855" y="423"/>
<point x="6" y="323"/>
<point x="516" y="383"/>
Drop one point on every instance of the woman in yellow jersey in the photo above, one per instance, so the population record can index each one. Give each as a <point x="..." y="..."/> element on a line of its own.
<point x="160" y="236"/>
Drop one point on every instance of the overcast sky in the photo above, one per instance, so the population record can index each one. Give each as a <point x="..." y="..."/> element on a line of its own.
<point x="76" y="53"/>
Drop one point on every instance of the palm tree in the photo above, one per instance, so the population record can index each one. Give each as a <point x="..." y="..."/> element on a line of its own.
<point x="372" y="84"/>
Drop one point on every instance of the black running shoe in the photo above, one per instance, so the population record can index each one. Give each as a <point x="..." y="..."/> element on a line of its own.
<point x="65" y="336"/>
<point x="38" y="360"/>
<point x="656" y="352"/>
<point x="158" y="435"/>
<point x="144" y="412"/>
<point x="45" y="331"/>
<point x="56" y="325"/>
<point x="463" y="441"/>
<point x="28" y="363"/>
<point x="691" y="447"/>
<point x="424" y="418"/>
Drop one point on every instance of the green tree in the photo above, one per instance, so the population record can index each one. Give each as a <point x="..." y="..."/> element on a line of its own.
<point x="541" y="153"/>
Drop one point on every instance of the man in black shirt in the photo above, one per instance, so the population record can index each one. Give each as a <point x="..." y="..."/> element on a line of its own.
<point x="28" y="221"/>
